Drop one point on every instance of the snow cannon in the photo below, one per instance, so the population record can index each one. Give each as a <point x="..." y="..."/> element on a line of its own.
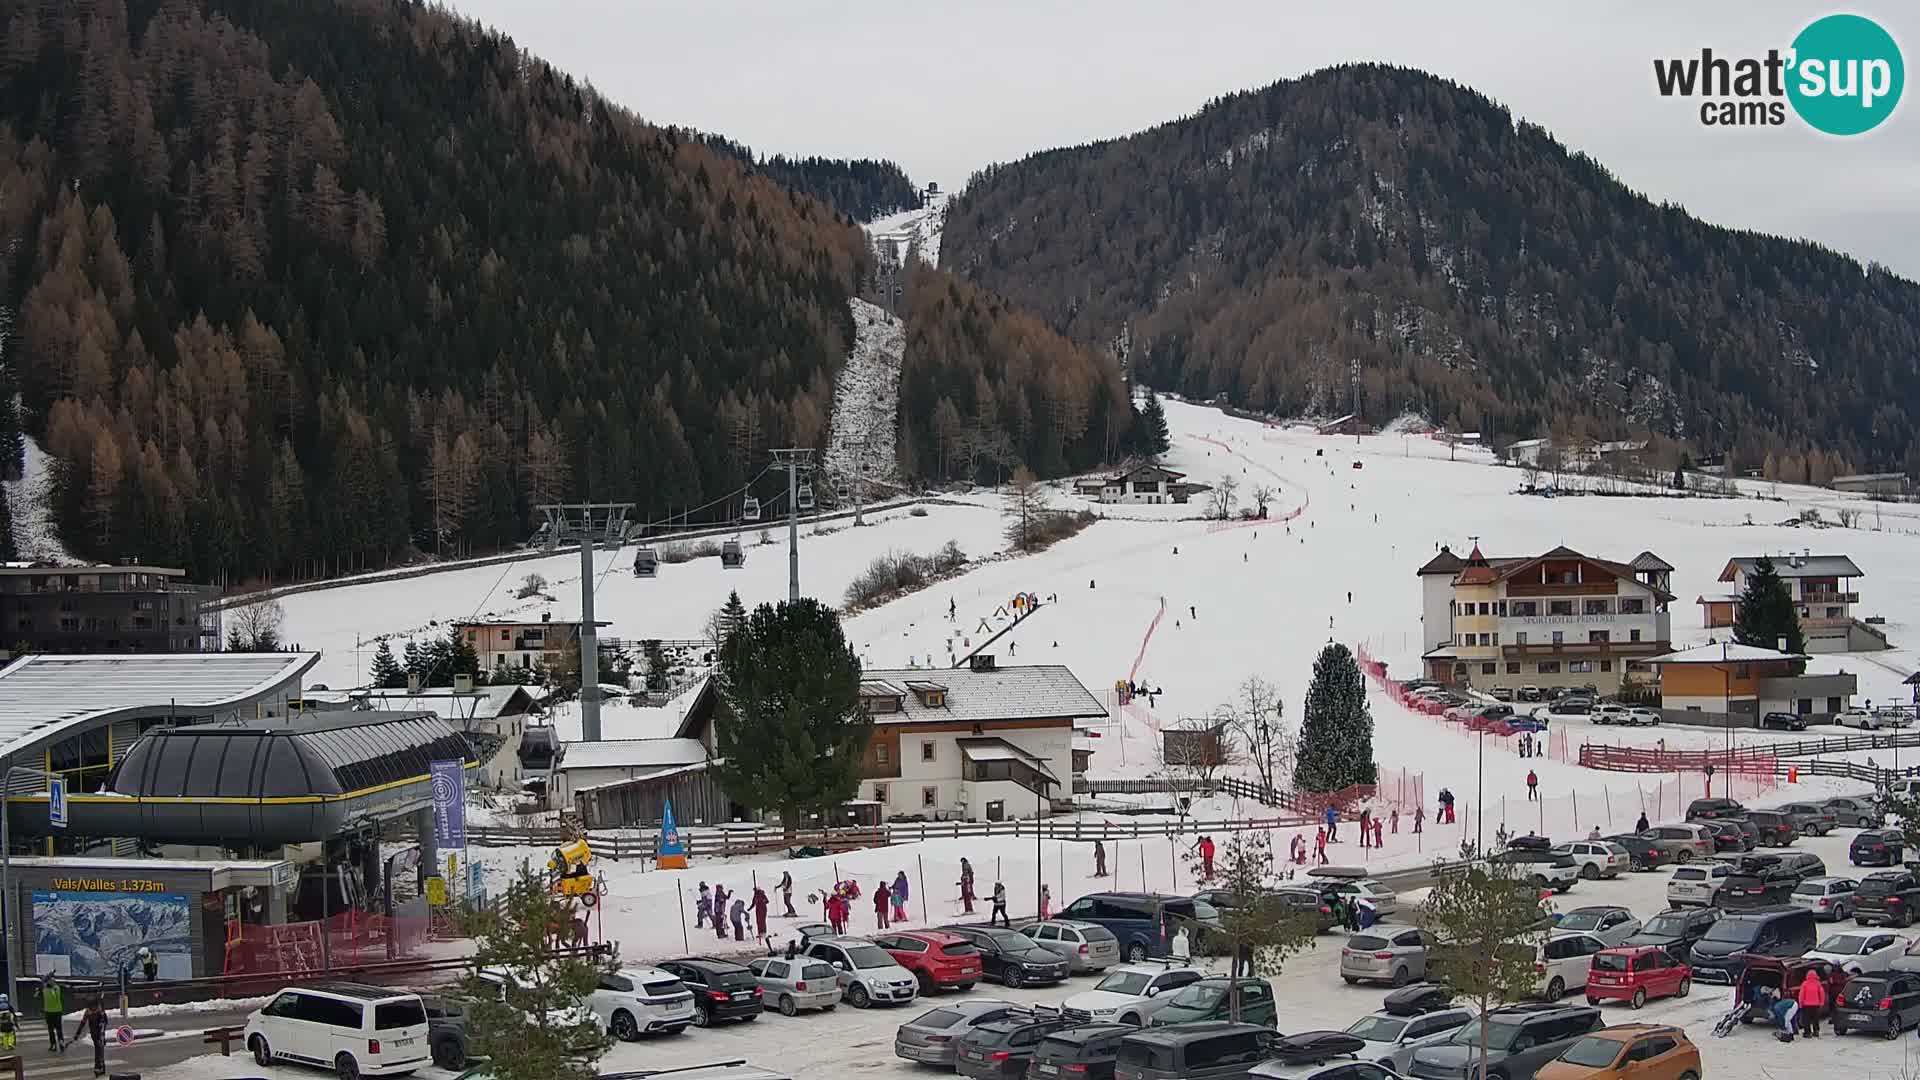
<point x="571" y="876"/>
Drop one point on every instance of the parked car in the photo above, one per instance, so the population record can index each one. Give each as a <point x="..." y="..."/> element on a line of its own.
<point x="1609" y="713"/>
<point x="1811" y="819"/>
<point x="1398" y="957"/>
<point x="449" y="1044"/>
<point x="1142" y="922"/>
<point x="1855" y="813"/>
<point x="1855" y="716"/>
<point x="1635" y="973"/>
<point x="940" y="960"/>
<point x="793" y="985"/>
<point x="1780" y="932"/>
<point x="1709" y="809"/>
<point x="1385" y="901"/>
<point x="636" y="1001"/>
<point x="1199" y="1051"/>
<point x="1883" y="1005"/>
<point x="1597" y="858"/>
<point x="1286" y="902"/>
<point x="1391" y="1040"/>
<point x="1207" y="999"/>
<point x="1783" y="721"/>
<point x="1085" y="1052"/>
<point x="1684" y="841"/>
<point x="1750" y="888"/>
<point x="1640" y="1051"/>
<point x="1001" y="1049"/>
<point x="1826" y="897"/>
<point x="1675" y="930"/>
<point x="1641" y="716"/>
<point x="1520" y="1039"/>
<point x="1644" y="851"/>
<point x="1894" y="716"/>
<point x="1608" y="922"/>
<point x="1502" y="693"/>
<point x="1529" y="693"/>
<point x="1316" y="1055"/>
<point x="1804" y="864"/>
<point x="349" y="1028"/>
<point x="1728" y="836"/>
<point x="1545" y="869"/>
<point x="867" y="974"/>
<point x="1417" y="999"/>
<point x="1777" y="975"/>
<point x="1561" y="963"/>
<point x="933" y="1037"/>
<point x="1749" y="832"/>
<point x="1859" y="951"/>
<point x="721" y="990"/>
<point x="1129" y="994"/>
<point x="1694" y="885"/>
<point x="1877" y="847"/>
<point x="1085" y="946"/>
<point x="1887" y="897"/>
<point x="1009" y="958"/>
<point x="1776" y="829"/>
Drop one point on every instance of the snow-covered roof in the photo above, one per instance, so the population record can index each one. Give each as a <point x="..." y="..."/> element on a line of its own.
<point x="1724" y="653"/>
<point x="45" y="695"/>
<point x="1797" y="566"/>
<point x="1039" y="692"/>
<point x="644" y="774"/>
<point x="1866" y="478"/>
<point x="630" y="754"/>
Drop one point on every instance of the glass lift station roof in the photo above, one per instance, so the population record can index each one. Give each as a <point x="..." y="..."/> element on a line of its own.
<point x="254" y="786"/>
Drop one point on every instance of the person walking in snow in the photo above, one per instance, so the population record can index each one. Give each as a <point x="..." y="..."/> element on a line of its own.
<point x="739" y="918"/>
<point x="966" y="884"/>
<point x="1332" y="818"/>
<point x="1193" y="612"/>
<point x="1812" y="996"/>
<point x="786" y="893"/>
<point x="719" y="911"/>
<point x="1394" y="819"/>
<point x="703" y="907"/>
<point x="1099" y="859"/>
<point x="1533" y="786"/>
<point x="1046" y="900"/>
<point x="899" y="893"/>
<point x="94" y="1023"/>
<point x="1000" y="906"/>
<point x="1366" y="826"/>
<point x="1376" y="834"/>
<point x="881" y="898"/>
<point x="760" y="910"/>
<point x="1641" y="825"/>
<point x="1419" y="817"/>
<point x="951" y="608"/>
<point x="1320" y="846"/>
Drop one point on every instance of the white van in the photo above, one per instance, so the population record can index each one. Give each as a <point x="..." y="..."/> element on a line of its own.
<point x="354" y="1030"/>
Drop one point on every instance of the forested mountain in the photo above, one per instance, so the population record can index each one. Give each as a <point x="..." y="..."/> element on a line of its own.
<point x="862" y="189"/>
<point x="1476" y="270"/>
<point x="984" y="387"/>
<point x="298" y="282"/>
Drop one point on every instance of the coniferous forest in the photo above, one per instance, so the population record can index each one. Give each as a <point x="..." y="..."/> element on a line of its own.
<point x="1476" y="270"/>
<point x="862" y="189"/>
<point x="297" y="284"/>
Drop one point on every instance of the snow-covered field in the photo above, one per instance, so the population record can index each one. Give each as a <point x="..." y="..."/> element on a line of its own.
<point x="917" y="231"/>
<point x="866" y="403"/>
<point x="29" y="500"/>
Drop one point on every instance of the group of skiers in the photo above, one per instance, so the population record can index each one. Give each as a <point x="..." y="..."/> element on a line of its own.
<point x="1529" y="746"/>
<point x="712" y="905"/>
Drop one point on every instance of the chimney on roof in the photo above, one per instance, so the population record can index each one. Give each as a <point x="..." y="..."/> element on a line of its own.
<point x="413" y="682"/>
<point x="546" y="616"/>
<point x="981" y="662"/>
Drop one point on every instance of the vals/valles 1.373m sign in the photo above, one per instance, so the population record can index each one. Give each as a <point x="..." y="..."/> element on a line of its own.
<point x="1842" y="75"/>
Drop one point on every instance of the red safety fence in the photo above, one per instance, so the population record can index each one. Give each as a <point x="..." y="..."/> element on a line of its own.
<point x="1645" y="759"/>
<point x="351" y="937"/>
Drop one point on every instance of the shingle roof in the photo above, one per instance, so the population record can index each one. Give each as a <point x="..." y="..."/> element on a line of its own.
<point x="1039" y="692"/>
<point x="1444" y="563"/>
<point x="45" y="694"/>
<point x="1647" y="560"/>
<point x="630" y="754"/>
<point x="1810" y="566"/>
<point x="1722" y="653"/>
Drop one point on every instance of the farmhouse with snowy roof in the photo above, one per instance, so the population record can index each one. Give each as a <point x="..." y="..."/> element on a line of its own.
<point x="1738" y="684"/>
<point x="1144" y="483"/>
<point x="1556" y="619"/>
<point x="1823" y="593"/>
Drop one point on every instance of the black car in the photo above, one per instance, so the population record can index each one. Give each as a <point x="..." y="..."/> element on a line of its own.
<point x="1708" y="809"/>
<point x="1727" y="836"/>
<point x="721" y="990"/>
<point x="1675" y="930"/>
<point x="1418" y="999"/>
<point x="1890" y="897"/>
<point x="1877" y="847"/>
<point x="1001" y="1049"/>
<point x="1087" y="1051"/>
<point x="1306" y="902"/>
<point x="1776" y="829"/>
<point x="1011" y="958"/>
<point x="1854" y="813"/>
<point x="1784" y="721"/>
<point x="1881" y="1004"/>
<point x="447" y="1040"/>
<point x="1753" y="887"/>
<point x="1748" y="830"/>
<point x="1643" y="849"/>
<point x="1804" y="864"/>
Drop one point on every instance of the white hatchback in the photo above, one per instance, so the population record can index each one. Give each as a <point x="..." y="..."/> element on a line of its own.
<point x="632" y="1002"/>
<point x="1694" y="885"/>
<point x="352" y="1029"/>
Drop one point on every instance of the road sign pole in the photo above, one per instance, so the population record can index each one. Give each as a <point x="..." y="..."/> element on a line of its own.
<point x="6" y="880"/>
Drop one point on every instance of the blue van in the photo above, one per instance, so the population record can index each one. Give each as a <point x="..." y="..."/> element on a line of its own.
<point x="1145" y="923"/>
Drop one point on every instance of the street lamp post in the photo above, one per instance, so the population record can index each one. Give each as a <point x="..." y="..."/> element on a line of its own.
<point x="1480" y="801"/>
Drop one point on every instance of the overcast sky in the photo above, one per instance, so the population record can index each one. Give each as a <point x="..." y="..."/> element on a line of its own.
<point x="945" y="89"/>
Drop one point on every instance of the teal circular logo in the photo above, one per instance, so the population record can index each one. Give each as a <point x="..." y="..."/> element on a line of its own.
<point x="1847" y="75"/>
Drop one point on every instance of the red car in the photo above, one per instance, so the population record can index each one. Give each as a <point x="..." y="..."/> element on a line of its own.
<point x="1635" y="973"/>
<point x="938" y="959"/>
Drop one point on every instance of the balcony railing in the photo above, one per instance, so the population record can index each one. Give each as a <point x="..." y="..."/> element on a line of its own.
<point x="1591" y="648"/>
<point x="1577" y="588"/>
<point x="1835" y="597"/>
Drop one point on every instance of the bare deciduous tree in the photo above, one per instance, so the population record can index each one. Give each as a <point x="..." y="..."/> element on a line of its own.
<point x="1224" y="494"/>
<point x="256" y="627"/>
<point x="1263" y="496"/>
<point x="1192" y="755"/>
<point x="1256" y="721"/>
<point x="1026" y="506"/>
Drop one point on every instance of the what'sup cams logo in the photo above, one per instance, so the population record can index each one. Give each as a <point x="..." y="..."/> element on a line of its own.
<point x="1842" y="75"/>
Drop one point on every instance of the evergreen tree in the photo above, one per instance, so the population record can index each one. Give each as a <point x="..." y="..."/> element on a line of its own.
<point x="791" y="732"/>
<point x="1151" y="438"/>
<point x="454" y="656"/>
<point x="521" y="1025"/>
<point x="656" y="658"/>
<point x="1766" y="611"/>
<point x="1336" y="730"/>
<point x="732" y="615"/>
<point x="1485" y="921"/>
<point x="6" y="529"/>
<point x="413" y="661"/>
<point x="386" y="673"/>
